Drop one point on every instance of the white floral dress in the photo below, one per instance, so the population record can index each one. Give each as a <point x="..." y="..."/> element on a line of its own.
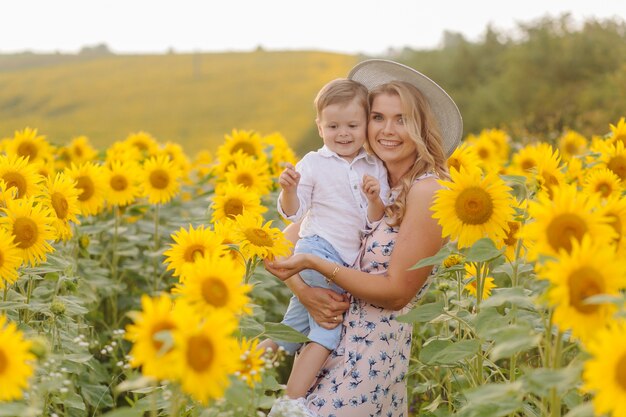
<point x="366" y="374"/>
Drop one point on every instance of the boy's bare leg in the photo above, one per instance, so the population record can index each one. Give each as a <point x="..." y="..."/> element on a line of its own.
<point x="305" y="369"/>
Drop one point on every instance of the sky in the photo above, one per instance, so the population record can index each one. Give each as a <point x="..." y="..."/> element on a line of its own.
<point x="347" y="26"/>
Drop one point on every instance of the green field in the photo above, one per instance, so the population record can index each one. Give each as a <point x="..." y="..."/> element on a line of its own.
<point x="192" y="99"/>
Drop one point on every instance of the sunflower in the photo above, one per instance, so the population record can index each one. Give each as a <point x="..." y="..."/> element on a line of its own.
<point x="149" y="334"/>
<point x="464" y="156"/>
<point x="80" y="150"/>
<point x="472" y="286"/>
<point x="571" y="144"/>
<point x="160" y="179"/>
<point x="6" y="194"/>
<point x="500" y="140"/>
<point x="16" y="172"/>
<point x="214" y="283"/>
<point x="279" y="152"/>
<point x="15" y="361"/>
<point x="575" y="171"/>
<point x="62" y="199"/>
<point x="473" y="207"/>
<point x="28" y="144"/>
<point x="90" y="181"/>
<point x="251" y="362"/>
<point x="10" y="259"/>
<point x="613" y="157"/>
<point x="123" y="152"/>
<point x="614" y="208"/>
<point x="176" y="154"/>
<point x="602" y="181"/>
<point x="249" y="142"/>
<point x="234" y="200"/>
<point x="206" y="354"/>
<point x="590" y="269"/>
<point x="31" y="226"/>
<point x="487" y="153"/>
<point x="258" y="239"/>
<point x="549" y="170"/>
<point x="604" y="374"/>
<point x="202" y="164"/>
<point x="122" y="186"/>
<point x="190" y="245"/>
<point x="618" y="131"/>
<point x="228" y="236"/>
<point x="144" y="143"/>
<point x="565" y="218"/>
<point x="524" y="161"/>
<point x="252" y="173"/>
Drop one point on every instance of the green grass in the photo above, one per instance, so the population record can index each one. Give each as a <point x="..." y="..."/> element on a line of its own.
<point x="191" y="99"/>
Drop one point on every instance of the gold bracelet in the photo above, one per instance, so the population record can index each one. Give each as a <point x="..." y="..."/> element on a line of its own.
<point x="333" y="275"/>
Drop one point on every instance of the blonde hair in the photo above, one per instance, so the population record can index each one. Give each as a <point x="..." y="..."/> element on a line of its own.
<point x="423" y="129"/>
<point x="341" y="91"/>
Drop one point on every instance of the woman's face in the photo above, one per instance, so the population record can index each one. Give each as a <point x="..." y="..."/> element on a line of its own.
<point x="387" y="133"/>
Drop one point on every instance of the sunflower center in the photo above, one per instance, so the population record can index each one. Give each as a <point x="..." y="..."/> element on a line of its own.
<point x="244" y="147"/>
<point x="78" y="151"/>
<point x="528" y="164"/>
<point x="142" y="146"/>
<point x="17" y="180"/>
<point x="4" y="361"/>
<point x="259" y="237"/>
<point x="159" y="179"/>
<point x="214" y="292"/>
<point x="245" y="179"/>
<point x="26" y="232"/>
<point x="584" y="283"/>
<point x="620" y="372"/>
<point x="200" y="353"/>
<point x="604" y="189"/>
<point x="233" y="207"/>
<point x="193" y="252"/>
<point x="119" y="182"/>
<point x="571" y="148"/>
<point x="87" y="187"/>
<point x="60" y="205"/>
<point x="563" y="229"/>
<point x="160" y="327"/>
<point x="27" y="149"/>
<point x="474" y="206"/>
<point x="550" y="179"/>
<point x="510" y="239"/>
<point x="617" y="164"/>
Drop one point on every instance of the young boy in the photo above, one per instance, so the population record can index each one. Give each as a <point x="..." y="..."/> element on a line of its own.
<point x="335" y="191"/>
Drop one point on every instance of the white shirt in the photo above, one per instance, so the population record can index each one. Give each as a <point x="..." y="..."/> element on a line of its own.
<point x="331" y="200"/>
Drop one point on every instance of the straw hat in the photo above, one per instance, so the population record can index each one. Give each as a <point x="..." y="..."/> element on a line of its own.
<point x="375" y="72"/>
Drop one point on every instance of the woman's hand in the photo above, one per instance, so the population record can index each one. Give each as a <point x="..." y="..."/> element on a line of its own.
<point x="324" y="305"/>
<point x="284" y="269"/>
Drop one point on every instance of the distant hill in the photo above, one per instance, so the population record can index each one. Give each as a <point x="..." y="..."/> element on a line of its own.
<point x="192" y="99"/>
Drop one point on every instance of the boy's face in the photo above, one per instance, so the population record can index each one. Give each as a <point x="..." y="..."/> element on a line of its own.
<point x="343" y="128"/>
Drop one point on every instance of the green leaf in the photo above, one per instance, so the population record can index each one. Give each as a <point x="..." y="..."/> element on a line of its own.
<point x="127" y="412"/>
<point x="423" y="313"/>
<point x="77" y="357"/>
<point x="278" y="331"/>
<point x="489" y="321"/>
<point x="15" y="409"/>
<point x="250" y="328"/>
<point x="513" y="340"/>
<point x="445" y="352"/>
<point x="71" y="399"/>
<point x="583" y="410"/>
<point x="515" y="296"/>
<point x="541" y="380"/>
<point x="493" y="400"/>
<point x="98" y="396"/>
<point x="483" y="250"/>
<point x="436" y="259"/>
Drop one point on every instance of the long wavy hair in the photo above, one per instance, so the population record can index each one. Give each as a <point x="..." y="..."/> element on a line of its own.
<point x="423" y="129"/>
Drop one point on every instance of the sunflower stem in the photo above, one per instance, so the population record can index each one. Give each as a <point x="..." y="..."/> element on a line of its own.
<point x="156" y="248"/>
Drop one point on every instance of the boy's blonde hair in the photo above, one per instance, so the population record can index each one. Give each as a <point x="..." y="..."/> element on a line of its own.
<point x="341" y="91"/>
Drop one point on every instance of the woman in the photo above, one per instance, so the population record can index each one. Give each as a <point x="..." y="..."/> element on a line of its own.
<point x="413" y="127"/>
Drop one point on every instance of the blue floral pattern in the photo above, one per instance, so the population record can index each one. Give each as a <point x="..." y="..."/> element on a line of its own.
<point x="365" y="375"/>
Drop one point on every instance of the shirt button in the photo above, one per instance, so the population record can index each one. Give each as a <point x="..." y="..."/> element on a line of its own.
<point x="355" y="187"/>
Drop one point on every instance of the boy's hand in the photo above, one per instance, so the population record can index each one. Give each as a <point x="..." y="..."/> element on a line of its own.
<point x="289" y="178"/>
<point x="371" y="187"/>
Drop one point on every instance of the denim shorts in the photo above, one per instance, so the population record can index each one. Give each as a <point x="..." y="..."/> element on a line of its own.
<point x="297" y="317"/>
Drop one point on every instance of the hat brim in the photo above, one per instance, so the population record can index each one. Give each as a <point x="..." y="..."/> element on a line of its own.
<point x="375" y="72"/>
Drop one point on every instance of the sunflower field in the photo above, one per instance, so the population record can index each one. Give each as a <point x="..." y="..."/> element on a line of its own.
<point x="132" y="280"/>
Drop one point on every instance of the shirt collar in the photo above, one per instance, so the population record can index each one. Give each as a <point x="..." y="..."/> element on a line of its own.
<point x="326" y="152"/>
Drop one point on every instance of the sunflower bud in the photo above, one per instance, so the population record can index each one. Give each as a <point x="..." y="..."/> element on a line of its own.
<point x="83" y="241"/>
<point x="57" y="308"/>
<point x="452" y="260"/>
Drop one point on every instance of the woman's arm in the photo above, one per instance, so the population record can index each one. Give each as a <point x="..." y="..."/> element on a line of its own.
<point x="322" y="304"/>
<point x="419" y="237"/>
